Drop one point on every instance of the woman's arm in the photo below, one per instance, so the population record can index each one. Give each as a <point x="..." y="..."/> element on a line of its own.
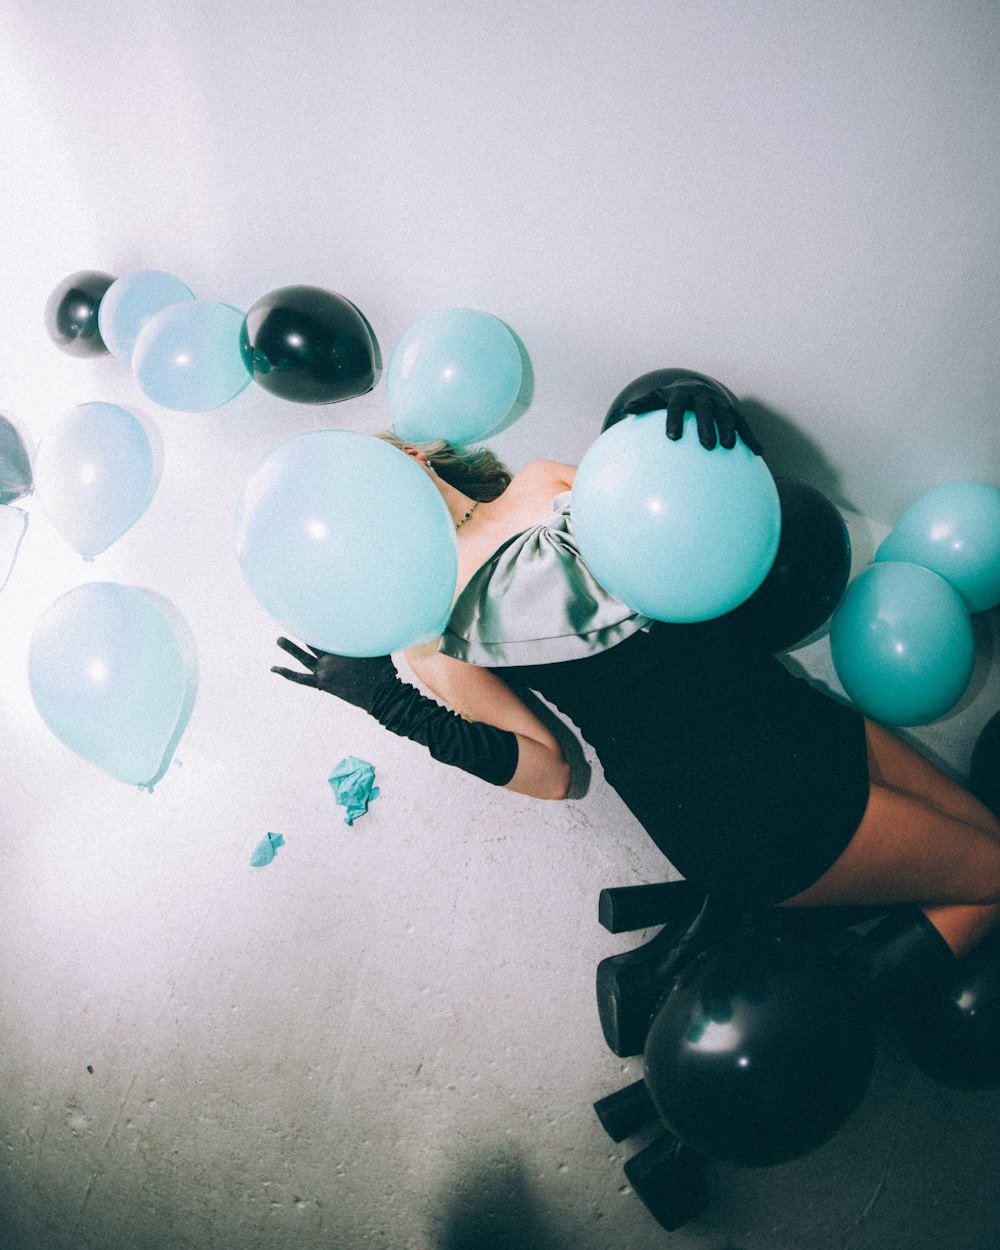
<point x="478" y="695"/>
<point x="528" y="761"/>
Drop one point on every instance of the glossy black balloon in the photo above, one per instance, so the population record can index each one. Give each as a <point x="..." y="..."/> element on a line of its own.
<point x="953" y="1034"/>
<point x="71" y="313"/>
<point x="810" y="571"/>
<point x="761" y="1051"/>
<point x="310" y="346"/>
<point x="655" y="380"/>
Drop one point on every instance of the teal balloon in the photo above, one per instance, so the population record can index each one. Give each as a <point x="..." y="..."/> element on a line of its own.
<point x="188" y="356"/>
<point x="94" y="475"/>
<point x="902" y="644"/>
<point x="131" y="301"/>
<point x="110" y="672"/>
<point x="16" y="478"/>
<point x="347" y="543"/>
<point x="677" y="532"/>
<point x="953" y="530"/>
<point x="455" y="375"/>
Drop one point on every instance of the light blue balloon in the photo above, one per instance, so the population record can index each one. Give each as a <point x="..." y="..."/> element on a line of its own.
<point x="455" y="375"/>
<point x="94" y="475"/>
<point x="902" y="644"/>
<point x="132" y="300"/>
<point x="188" y="356"/>
<point x="676" y="532"/>
<point x="110" y="673"/>
<point x="345" y="540"/>
<point x="15" y="463"/>
<point x="953" y="530"/>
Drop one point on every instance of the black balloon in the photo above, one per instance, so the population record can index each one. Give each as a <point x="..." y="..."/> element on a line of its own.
<point x="810" y="571"/>
<point x="71" y="313"/>
<point x="310" y="346"/>
<point x="655" y="380"/>
<point x="761" y="1050"/>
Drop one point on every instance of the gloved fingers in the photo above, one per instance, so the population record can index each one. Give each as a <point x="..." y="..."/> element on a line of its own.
<point x="306" y="658"/>
<point x="748" y="436"/>
<point x="725" y="424"/>
<point x="675" y="419"/>
<point x="303" y="679"/>
<point x="704" y="408"/>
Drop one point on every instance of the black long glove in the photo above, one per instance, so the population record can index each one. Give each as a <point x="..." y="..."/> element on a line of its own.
<point x="715" y="408"/>
<point x="372" y="684"/>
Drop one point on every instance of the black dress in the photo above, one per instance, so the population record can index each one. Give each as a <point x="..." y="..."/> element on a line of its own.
<point x="749" y="779"/>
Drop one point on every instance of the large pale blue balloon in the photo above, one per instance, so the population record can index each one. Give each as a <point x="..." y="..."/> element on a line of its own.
<point x="455" y="375"/>
<point x="110" y="671"/>
<point x="188" y="356"/>
<point x="94" y="475"/>
<point x="345" y="540"/>
<point x="955" y="531"/>
<point x="132" y="300"/>
<point x="15" y="463"/>
<point x="676" y="532"/>
<point x="902" y="644"/>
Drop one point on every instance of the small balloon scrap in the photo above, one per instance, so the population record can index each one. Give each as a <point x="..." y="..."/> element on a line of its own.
<point x="266" y="849"/>
<point x="352" y="784"/>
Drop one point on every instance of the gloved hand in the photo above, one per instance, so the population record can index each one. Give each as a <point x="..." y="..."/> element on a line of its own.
<point x="356" y="679"/>
<point x="372" y="684"/>
<point x="715" y="408"/>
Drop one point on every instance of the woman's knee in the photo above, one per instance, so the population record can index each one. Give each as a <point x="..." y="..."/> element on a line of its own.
<point x="907" y="851"/>
<point x="896" y="765"/>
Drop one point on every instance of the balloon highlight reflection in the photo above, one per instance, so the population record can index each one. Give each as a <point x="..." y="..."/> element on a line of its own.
<point x="455" y="375"/>
<point x="347" y="543"/>
<point x="188" y="358"/>
<point x="94" y="475"/>
<point x="760" y="1051"/>
<point x="112" y="672"/>
<point x="902" y="644"/>
<point x="677" y="532"/>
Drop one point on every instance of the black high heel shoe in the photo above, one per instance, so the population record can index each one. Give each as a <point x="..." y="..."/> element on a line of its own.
<point x="953" y="1034"/>
<point x="631" y="985"/>
<point x="944" y="1011"/>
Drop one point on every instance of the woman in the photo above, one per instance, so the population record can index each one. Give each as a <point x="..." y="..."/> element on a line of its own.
<point x="758" y="787"/>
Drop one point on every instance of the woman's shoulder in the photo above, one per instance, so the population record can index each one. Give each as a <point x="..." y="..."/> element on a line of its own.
<point x="550" y="474"/>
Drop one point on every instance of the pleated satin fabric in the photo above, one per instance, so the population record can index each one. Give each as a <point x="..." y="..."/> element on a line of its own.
<point x="534" y="601"/>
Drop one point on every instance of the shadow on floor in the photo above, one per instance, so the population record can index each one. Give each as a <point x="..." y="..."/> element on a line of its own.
<point x="490" y="1206"/>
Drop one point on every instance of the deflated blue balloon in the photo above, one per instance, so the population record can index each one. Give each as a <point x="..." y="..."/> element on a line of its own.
<point x="345" y="540"/>
<point x="953" y="530"/>
<point x="677" y="532"/>
<point x="132" y="300"/>
<point x="94" y="475"/>
<point x="902" y="644"/>
<point x="110" y="669"/>
<point x="455" y="375"/>
<point x="188" y="356"/>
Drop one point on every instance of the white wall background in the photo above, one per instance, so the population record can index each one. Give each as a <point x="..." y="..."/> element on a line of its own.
<point x="388" y="1036"/>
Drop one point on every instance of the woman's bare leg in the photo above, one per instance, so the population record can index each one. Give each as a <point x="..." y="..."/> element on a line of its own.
<point x="923" y="839"/>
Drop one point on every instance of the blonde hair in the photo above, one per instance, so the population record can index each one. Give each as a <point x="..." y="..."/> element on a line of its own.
<point x="477" y="472"/>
